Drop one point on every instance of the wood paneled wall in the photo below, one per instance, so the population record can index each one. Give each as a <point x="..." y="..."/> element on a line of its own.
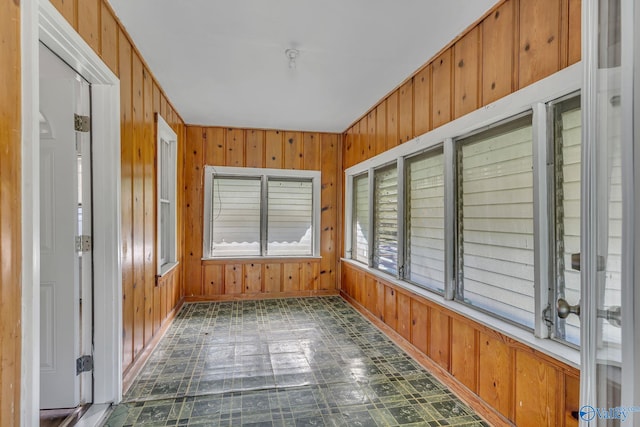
<point x="10" y="214"/>
<point x="147" y="301"/>
<point x="518" y="43"/>
<point x="276" y="149"/>
<point x="524" y="385"/>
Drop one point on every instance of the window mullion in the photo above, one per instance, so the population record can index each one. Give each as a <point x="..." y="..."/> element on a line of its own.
<point x="450" y="216"/>
<point x="401" y="219"/>
<point x="371" y="219"/>
<point x="264" y="207"/>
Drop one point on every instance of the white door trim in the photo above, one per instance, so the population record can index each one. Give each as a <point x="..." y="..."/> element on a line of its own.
<point x="41" y="21"/>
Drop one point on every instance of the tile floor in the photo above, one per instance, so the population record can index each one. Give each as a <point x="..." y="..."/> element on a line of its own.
<point x="286" y="362"/>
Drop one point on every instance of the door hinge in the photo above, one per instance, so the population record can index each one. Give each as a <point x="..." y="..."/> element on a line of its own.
<point x="84" y="364"/>
<point x="81" y="123"/>
<point x="83" y="243"/>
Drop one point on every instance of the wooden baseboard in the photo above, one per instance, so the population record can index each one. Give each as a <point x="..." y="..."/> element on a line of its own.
<point x="483" y="409"/>
<point x="261" y="296"/>
<point x="134" y="369"/>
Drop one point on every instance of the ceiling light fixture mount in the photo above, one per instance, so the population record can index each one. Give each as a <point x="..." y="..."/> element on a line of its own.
<point x="292" y="54"/>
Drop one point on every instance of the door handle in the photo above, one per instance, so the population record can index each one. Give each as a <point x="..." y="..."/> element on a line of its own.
<point x="565" y="309"/>
<point x="611" y="315"/>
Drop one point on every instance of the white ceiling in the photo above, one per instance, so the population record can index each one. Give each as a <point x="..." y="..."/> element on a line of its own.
<point x="223" y="62"/>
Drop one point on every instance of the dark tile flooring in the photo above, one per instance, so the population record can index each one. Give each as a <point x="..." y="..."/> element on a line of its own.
<point x="286" y="362"/>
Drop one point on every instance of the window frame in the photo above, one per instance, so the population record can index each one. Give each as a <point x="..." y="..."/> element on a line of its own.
<point x="264" y="174"/>
<point x="166" y="135"/>
<point x="536" y="98"/>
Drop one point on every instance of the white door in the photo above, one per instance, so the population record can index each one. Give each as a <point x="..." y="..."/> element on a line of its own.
<point x="65" y="271"/>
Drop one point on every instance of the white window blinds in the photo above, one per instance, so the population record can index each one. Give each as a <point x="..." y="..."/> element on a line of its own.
<point x="235" y="216"/>
<point x="360" y="215"/>
<point x="495" y="221"/>
<point x="290" y="215"/>
<point x="385" y="217"/>
<point x="425" y="220"/>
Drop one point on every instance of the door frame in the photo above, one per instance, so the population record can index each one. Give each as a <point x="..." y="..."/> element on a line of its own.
<point x="42" y="21"/>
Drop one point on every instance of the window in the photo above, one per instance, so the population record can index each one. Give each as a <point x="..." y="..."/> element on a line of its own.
<point x="253" y="212"/>
<point x="385" y="219"/>
<point x="566" y="154"/>
<point x="424" y="230"/>
<point x="360" y="226"/>
<point x="495" y="221"/>
<point x="167" y="187"/>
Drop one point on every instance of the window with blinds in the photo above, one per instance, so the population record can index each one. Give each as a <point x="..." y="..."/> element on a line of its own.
<point x="360" y="219"/>
<point x="235" y="217"/>
<point x="290" y="216"/>
<point x="385" y="219"/>
<point x="495" y="221"/>
<point x="255" y="212"/>
<point x="424" y="213"/>
<point x="567" y="153"/>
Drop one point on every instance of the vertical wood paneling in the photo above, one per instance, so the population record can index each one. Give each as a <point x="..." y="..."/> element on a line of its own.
<point x="404" y="316"/>
<point x="89" y="22"/>
<point x="10" y="216"/>
<point x="347" y="159"/>
<point x="109" y="38"/>
<point x="575" y="30"/>
<point x="329" y="210"/>
<point x="358" y="289"/>
<point x="311" y="150"/>
<point x="539" y="49"/>
<point x="422" y="101"/>
<point x="463" y="353"/>
<point x="148" y="156"/>
<point x="255" y="148"/>
<point x="419" y="325"/>
<point x="233" y="279"/>
<point x="291" y="276"/>
<point x="441" y="89"/>
<point x="390" y="307"/>
<point x="467" y="73"/>
<point x="362" y="140"/>
<point x="214" y="146"/>
<point x="309" y="273"/>
<point x="370" y="293"/>
<point x="439" y="337"/>
<point x="126" y="191"/>
<point x="571" y="399"/>
<point x="497" y="53"/>
<point x="213" y="279"/>
<point x="252" y="278"/>
<point x="392" y="120"/>
<point x="381" y="128"/>
<point x="273" y="149"/>
<point x="495" y="374"/>
<point x="405" y="112"/>
<point x="193" y="181"/>
<point x="380" y="300"/>
<point x="293" y="154"/>
<point x="67" y="8"/>
<point x="371" y="132"/>
<point x="138" y="207"/>
<point x="235" y="147"/>
<point x="536" y="389"/>
<point x="273" y="278"/>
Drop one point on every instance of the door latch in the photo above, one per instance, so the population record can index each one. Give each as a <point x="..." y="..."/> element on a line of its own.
<point x="84" y="364"/>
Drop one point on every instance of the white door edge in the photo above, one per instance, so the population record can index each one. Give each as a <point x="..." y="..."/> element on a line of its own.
<point x="41" y="21"/>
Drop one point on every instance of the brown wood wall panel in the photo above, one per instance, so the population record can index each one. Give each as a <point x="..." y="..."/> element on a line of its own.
<point x="362" y="142"/>
<point x="235" y="147"/>
<point x="347" y="158"/>
<point x="372" y="118"/>
<point x="536" y="386"/>
<point x="293" y="146"/>
<point x="392" y="120"/>
<point x="68" y="10"/>
<point x="381" y="128"/>
<point x="291" y="277"/>
<point x="311" y="151"/>
<point x="422" y="101"/>
<point x="498" y="34"/>
<point x="149" y="204"/>
<point x="10" y="216"/>
<point x="524" y="385"/>
<point x="193" y="182"/>
<point x="214" y="146"/>
<point x="575" y="29"/>
<point x="441" y="89"/>
<point x="466" y="74"/>
<point x="89" y="22"/>
<point x="233" y="279"/>
<point x="109" y="38"/>
<point x="539" y="47"/>
<point x="213" y="279"/>
<point x="405" y="112"/>
<point x="463" y="353"/>
<point x="273" y="149"/>
<point x="495" y="379"/>
<point x="330" y="151"/>
<point x="255" y="149"/>
<point x="252" y="278"/>
<point x="273" y="278"/>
